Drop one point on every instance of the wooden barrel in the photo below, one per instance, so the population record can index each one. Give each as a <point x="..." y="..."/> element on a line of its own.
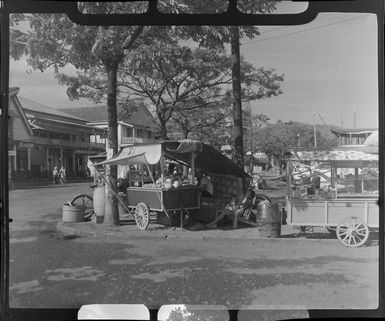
<point x="99" y="200"/>
<point x="74" y="213"/>
<point x="268" y="220"/>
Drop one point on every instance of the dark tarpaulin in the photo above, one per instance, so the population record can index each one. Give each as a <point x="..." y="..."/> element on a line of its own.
<point x="207" y="158"/>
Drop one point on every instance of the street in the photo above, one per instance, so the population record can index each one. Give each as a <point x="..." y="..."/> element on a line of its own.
<point x="50" y="269"/>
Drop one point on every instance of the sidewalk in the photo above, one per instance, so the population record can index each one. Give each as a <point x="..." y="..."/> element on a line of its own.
<point x="46" y="181"/>
<point x="129" y="230"/>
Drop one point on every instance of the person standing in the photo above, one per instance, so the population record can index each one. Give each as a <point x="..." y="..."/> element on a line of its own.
<point x="55" y="173"/>
<point x="205" y="184"/>
<point x="62" y="175"/>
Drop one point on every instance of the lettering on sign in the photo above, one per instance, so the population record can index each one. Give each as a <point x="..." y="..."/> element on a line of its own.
<point x="25" y="145"/>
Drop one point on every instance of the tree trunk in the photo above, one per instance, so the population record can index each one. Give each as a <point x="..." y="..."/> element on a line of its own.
<point x="111" y="214"/>
<point x="163" y="129"/>
<point x="237" y="104"/>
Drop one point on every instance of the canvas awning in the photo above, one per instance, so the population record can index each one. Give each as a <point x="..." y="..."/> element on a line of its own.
<point x="206" y="158"/>
<point x="126" y="160"/>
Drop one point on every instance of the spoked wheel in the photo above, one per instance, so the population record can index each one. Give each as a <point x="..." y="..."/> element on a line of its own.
<point x="142" y="216"/>
<point x="87" y="201"/>
<point x="352" y="231"/>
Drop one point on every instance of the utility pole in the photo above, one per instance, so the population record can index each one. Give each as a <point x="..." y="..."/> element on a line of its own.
<point x="342" y="119"/>
<point x="315" y="132"/>
<point x="355" y="117"/>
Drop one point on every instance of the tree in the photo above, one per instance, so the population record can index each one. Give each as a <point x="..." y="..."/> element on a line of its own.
<point x="274" y="138"/>
<point x="252" y="124"/>
<point x="195" y="119"/>
<point x="175" y="78"/>
<point x="184" y="83"/>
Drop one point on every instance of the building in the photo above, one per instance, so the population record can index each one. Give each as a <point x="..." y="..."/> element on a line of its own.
<point x="347" y="137"/>
<point x="41" y="137"/>
<point x="138" y="127"/>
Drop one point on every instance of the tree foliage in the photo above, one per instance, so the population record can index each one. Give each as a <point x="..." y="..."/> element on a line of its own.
<point x="273" y="138"/>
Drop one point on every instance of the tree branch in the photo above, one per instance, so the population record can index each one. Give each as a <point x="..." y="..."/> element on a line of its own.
<point x="130" y="40"/>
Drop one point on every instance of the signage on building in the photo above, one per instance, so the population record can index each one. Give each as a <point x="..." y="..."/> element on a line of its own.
<point x="25" y="144"/>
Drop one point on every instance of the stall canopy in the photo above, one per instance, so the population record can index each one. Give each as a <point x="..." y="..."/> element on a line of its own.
<point x="126" y="159"/>
<point x="206" y="158"/>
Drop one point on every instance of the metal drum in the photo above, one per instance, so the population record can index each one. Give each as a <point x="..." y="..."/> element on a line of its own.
<point x="268" y="220"/>
<point x="74" y="213"/>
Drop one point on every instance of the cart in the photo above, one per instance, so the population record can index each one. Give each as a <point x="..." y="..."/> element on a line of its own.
<point x="335" y="189"/>
<point x="151" y="189"/>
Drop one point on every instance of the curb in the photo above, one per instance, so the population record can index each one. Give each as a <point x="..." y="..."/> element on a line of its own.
<point x="112" y="232"/>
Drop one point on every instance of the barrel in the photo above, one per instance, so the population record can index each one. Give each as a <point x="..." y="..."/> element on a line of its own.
<point x="98" y="200"/>
<point x="74" y="213"/>
<point x="268" y="220"/>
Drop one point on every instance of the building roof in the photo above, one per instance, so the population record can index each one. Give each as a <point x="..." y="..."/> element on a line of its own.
<point x="32" y="107"/>
<point x="353" y="131"/>
<point x="97" y="114"/>
<point x="13" y="91"/>
<point x="372" y="139"/>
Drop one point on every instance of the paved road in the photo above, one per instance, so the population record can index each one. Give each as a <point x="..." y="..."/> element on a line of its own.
<point x="49" y="269"/>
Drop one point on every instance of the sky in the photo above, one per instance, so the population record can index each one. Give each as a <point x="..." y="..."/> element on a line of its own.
<point x="330" y="68"/>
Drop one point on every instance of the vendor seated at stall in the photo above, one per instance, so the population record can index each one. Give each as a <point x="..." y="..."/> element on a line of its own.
<point x="205" y="184"/>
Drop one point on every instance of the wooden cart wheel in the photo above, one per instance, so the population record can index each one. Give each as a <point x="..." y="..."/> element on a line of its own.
<point x="352" y="231"/>
<point x="87" y="201"/>
<point x="142" y="216"/>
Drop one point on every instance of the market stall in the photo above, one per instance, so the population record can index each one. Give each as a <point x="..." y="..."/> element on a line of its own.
<point x="160" y="178"/>
<point x="337" y="189"/>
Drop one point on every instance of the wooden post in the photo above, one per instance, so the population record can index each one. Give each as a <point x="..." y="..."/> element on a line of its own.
<point x="192" y="169"/>
<point x="15" y="159"/>
<point x="61" y="157"/>
<point x="161" y="164"/>
<point x="235" y="219"/>
<point x="289" y="180"/>
<point x="74" y="163"/>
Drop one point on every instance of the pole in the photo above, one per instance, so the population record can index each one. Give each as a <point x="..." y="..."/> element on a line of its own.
<point x="315" y="133"/>
<point x="342" y="119"/>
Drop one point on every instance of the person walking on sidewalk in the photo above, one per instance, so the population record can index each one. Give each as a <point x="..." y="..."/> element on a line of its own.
<point x="55" y="174"/>
<point x="62" y="175"/>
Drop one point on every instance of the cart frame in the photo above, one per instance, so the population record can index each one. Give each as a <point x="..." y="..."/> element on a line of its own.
<point x="351" y="217"/>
